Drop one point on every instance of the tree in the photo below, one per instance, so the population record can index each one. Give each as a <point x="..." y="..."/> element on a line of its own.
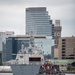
<point x="69" y="67"/>
<point x="1" y="63"/>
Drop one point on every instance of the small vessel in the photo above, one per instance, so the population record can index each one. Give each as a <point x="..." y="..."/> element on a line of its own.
<point x="5" y="69"/>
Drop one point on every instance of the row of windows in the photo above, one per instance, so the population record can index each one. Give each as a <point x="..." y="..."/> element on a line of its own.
<point x="72" y="55"/>
<point x="38" y="24"/>
<point x="38" y="27"/>
<point x="67" y="57"/>
<point x="43" y="16"/>
<point x="43" y="13"/>
<point x="36" y="17"/>
<point x="42" y="20"/>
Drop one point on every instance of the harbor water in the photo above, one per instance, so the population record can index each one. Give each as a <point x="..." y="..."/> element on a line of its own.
<point x="6" y="73"/>
<point x="12" y="74"/>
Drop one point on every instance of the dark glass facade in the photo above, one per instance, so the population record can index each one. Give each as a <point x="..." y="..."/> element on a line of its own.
<point x="0" y="56"/>
<point x="12" y="46"/>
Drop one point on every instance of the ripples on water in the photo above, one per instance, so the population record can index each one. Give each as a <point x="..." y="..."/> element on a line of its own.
<point x="6" y="74"/>
<point x="70" y="74"/>
<point x="12" y="74"/>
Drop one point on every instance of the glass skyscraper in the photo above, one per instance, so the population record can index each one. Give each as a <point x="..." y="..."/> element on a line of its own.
<point x="38" y="21"/>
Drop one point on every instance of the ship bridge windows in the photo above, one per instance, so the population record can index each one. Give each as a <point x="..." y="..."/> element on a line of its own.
<point x="21" y="56"/>
<point x="31" y="59"/>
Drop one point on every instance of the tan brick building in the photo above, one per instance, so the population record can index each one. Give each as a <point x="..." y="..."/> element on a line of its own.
<point x="66" y="48"/>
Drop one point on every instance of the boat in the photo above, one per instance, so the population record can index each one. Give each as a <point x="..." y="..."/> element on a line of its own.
<point x="5" y="69"/>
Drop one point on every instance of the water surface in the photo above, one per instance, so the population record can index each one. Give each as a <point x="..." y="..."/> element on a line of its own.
<point x="12" y="74"/>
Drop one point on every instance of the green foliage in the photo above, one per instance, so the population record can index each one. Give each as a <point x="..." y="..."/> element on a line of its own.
<point x="1" y="63"/>
<point x="73" y="68"/>
<point x="69" y="67"/>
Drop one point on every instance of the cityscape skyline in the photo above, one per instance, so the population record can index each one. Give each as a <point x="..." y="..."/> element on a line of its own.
<point x="12" y="14"/>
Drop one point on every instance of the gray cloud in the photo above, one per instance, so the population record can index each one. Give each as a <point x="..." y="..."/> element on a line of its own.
<point x="42" y="2"/>
<point x="12" y="14"/>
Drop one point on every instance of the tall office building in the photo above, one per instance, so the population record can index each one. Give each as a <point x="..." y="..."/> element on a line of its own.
<point x="3" y="36"/>
<point x="38" y="21"/>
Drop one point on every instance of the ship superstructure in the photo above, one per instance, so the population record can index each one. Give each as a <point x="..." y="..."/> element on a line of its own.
<point x="30" y="55"/>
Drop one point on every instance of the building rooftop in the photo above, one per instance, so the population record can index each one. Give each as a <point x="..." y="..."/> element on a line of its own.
<point x="28" y="36"/>
<point x="32" y="9"/>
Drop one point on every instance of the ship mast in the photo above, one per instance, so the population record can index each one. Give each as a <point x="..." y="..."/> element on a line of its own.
<point x="31" y="40"/>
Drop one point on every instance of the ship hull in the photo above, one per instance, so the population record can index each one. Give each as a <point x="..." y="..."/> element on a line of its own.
<point x="25" y="69"/>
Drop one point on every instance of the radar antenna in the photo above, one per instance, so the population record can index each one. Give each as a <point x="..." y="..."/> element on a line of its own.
<point x="31" y="40"/>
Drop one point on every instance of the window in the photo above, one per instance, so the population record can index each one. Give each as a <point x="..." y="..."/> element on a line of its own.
<point x="21" y="56"/>
<point x="63" y="51"/>
<point x="63" y="43"/>
<point x="34" y="59"/>
<point x="63" y="54"/>
<point x="63" y="57"/>
<point x="63" y="39"/>
<point x="63" y="48"/>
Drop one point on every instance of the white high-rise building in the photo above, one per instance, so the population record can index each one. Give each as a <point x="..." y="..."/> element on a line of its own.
<point x="38" y="21"/>
<point x="6" y="33"/>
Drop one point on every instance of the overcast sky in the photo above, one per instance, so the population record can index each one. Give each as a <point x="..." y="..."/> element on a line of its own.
<point x="12" y="14"/>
